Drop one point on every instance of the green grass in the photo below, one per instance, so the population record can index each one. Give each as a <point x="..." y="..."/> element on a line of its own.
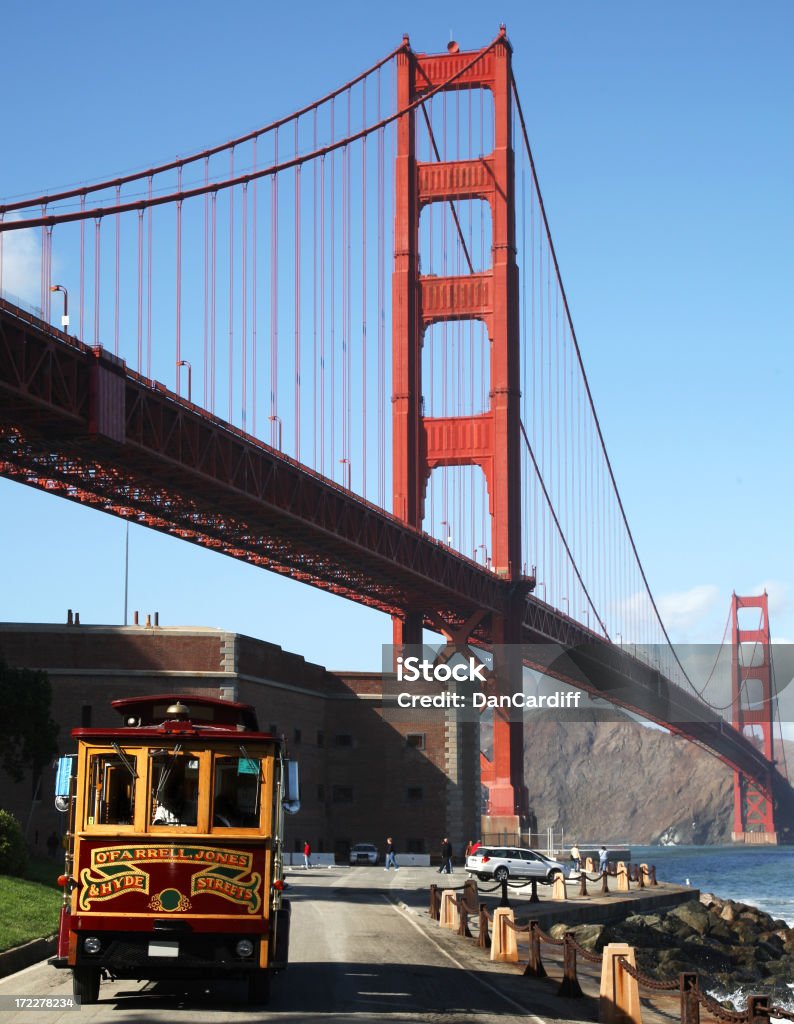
<point x="30" y="906"/>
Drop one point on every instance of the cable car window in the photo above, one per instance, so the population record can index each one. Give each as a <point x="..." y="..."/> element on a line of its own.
<point x="236" y="799"/>
<point x="111" y="789"/>
<point x="175" y="788"/>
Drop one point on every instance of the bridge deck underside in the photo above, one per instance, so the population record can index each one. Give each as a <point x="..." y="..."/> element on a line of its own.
<point x="162" y="462"/>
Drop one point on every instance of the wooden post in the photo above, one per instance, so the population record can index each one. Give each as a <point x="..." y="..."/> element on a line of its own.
<point x="619" y="996"/>
<point x="604" y="881"/>
<point x="582" y="883"/>
<point x="569" y="986"/>
<point x="757" y="1009"/>
<point x="534" y="898"/>
<point x="470" y="895"/>
<point x="690" y="1005"/>
<point x="558" y="888"/>
<point x="623" y="877"/>
<point x="435" y="903"/>
<point x="645" y="876"/>
<point x="449" y="911"/>
<point x="534" y="968"/>
<point x="588" y="865"/>
<point x="484" y="939"/>
<point x="503" y="944"/>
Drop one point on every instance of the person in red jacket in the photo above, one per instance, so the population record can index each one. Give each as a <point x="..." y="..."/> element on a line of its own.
<point x="307" y="852"/>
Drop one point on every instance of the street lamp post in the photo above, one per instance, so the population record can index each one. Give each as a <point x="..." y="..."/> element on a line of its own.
<point x="449" y="530"/>
<point x="181" y="363"/>
<point x="65" y="317"/>
<point x="277" y="421"/>
<point x="346" y="464"/>
<point x="541" y="584"/>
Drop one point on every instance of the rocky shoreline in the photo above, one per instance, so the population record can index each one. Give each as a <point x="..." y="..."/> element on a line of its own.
<point x="734" y="947"/>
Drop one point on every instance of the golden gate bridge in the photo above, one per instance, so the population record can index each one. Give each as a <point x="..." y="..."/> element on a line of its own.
<point x="339" y="347"/>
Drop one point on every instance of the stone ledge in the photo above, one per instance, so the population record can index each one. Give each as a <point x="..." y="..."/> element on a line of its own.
<point x="16" y="959"/>
<point x="604" y="909"/>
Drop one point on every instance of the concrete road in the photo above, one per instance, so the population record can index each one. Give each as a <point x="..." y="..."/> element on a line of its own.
<point x="360" y="951"/>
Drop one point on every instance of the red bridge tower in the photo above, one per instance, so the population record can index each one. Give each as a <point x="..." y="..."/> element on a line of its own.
<point x="490" y="440"/>
<point x="753" y="711"/>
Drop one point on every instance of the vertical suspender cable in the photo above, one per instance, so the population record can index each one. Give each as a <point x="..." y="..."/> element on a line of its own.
<point x="364" y="294"/>
<point x="206" y="275"/>
<point x="43" y="266"/>
<point x="97" y="264"/>
<point x="297" y="355"/>
<point x="321" y="425"/>
<point x="140" y="290"/>
<point x="117" y="289"/>
<point x="332" y="289"/>
<point x="178" y="310"/>
<point x="315" y="290"/>
<point x="274" y="423"/>
<point x="254" y="290"/>
<point x="82" y="269"/>
<point x="149" y="286"/>
<point x="381" y="311"/>
<point x="231" y="288"/>
<point x="244" y="313"/>
<point x="213" y="292"/>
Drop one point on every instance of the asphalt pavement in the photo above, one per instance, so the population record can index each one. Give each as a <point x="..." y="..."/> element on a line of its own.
<point x="362" y="949"/>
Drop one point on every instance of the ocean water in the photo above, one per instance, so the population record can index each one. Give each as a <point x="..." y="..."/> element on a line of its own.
<point x="761" y="876"/>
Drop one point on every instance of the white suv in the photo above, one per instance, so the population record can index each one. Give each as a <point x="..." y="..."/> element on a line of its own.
<point x="503" y="862"/>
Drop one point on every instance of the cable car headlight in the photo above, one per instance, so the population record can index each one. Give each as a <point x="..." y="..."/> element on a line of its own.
<point x="92" y="945"/>
<point x="244" y="948"/>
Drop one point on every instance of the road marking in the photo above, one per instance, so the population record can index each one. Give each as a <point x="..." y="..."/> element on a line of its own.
<point x="492" y="988"/>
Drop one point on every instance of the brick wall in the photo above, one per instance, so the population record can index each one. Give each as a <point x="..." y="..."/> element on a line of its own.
<point x="361" y="778"/>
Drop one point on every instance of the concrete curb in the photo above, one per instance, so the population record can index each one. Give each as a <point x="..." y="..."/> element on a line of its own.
<point x="16" y="959"/>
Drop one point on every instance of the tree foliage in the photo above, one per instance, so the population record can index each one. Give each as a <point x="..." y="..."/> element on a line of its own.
<point x="13" y="853"/>
<point x="28" y="738"/>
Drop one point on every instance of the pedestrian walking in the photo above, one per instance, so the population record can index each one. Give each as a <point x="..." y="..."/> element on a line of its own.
<point x="391" y="860"/>
<point x="446" y="857"/>
<point x="603" y="857"/>
<point x="307" y="855"/>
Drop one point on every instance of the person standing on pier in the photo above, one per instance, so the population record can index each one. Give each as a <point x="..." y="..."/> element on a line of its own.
<point x="576" y="857"/>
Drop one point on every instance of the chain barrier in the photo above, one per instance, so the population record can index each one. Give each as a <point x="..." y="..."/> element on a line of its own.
<point x="721" y="1012"/>
<point x="587" y="954"/>
<point x="544" y="937"/>
<point x="758" y="1011"/>
<point x="519" y="929"/>
<point x="774" y="1011"/>
<point x="646" y="979"/>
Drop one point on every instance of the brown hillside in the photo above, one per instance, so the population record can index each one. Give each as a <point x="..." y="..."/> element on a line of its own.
<point x="617" y="780"/>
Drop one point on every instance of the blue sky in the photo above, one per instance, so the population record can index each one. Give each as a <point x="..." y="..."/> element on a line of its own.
<point x="664" y="146"/>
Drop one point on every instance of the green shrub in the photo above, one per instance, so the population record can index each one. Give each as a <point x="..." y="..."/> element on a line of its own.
<point x="13" y="854"/>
